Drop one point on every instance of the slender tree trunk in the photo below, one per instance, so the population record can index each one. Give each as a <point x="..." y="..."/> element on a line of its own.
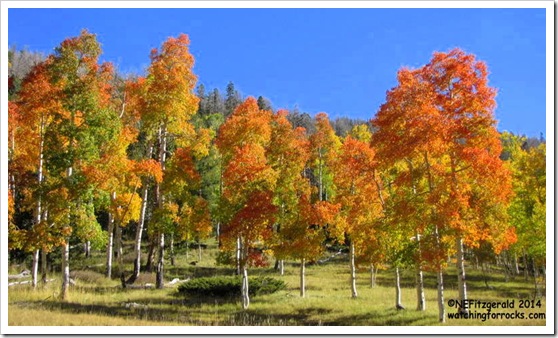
<point x="419" y="278"/>
<point x="440" y="286"/>
<point x="536" y="275"/>
<point x="302" y="277"/>
<point x="65" y="270"/>
<point x="118" y="241"/>
<point x="525" y="266"/>
<point x="282" y="267"/>
<point x="110" y="243"/>
<point x="238" y="254"/>
<point x="160" y="203"/>
<point x="245" y="289"/>
<point x="516" y="264"/>
<point x="44" y="271"/>
<point x="398" y="304"/>
<point x="373" y="270"/>
<point x="118" y="249"/>
<point x="139" y="233"/>
<point x="320" y="178"/>
<point x="199" y="252"/>
<point x="140" y="226"/>
<point x="38" y="209"/>
<point x="171" y="249"/>
<point x="66" y="254"/>
<point x="87" y="249"/>
<point x="462" y="284"/>
<point x="35" y="269"/>
<point x="353" y="271"/>
<point x="161" y="262"/>
<point x="151" y="254"/>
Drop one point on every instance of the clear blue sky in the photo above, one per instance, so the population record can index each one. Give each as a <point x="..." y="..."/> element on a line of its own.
<point x="341" y="61"/>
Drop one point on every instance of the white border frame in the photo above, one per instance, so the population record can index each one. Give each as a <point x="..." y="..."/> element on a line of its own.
<point x="550" y="90"/>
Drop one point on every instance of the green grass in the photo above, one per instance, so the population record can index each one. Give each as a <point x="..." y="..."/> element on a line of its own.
<point x="96" y="300"/>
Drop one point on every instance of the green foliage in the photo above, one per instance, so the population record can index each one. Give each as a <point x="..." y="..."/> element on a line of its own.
<point x="229" y="286"/>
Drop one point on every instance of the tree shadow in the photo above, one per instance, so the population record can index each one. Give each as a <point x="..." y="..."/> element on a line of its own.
<point x="125" y="310"/>
<point x="388" y="317"/>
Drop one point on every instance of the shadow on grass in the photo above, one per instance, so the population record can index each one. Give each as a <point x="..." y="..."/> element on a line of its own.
<point x="259" y="317"/>
<point x="388" y="317"/>
<point x="198" y="271"/>
<point x="141" y="312"/>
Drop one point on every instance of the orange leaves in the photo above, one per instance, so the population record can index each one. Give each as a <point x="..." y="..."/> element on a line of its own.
<point x="150" y="169"/>
<point x="439" y="121"/>
<point x="248" y="178"/>
<point x="254" y="220"/>
<point x="247" y="124"/>
<point x="247" y="171"/>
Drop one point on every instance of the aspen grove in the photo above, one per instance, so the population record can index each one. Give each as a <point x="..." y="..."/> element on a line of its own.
<point x="428" y="181"/>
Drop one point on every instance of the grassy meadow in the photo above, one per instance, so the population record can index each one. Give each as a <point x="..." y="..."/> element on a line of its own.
<point x="96" y="300"/>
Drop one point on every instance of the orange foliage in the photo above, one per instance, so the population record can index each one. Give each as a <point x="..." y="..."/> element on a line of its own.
<point x="439" y="120"/>
<point x="149" y="168"/>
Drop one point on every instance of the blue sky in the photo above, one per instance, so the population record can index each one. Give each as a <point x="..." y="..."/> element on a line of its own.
<point x="341" y="61"/>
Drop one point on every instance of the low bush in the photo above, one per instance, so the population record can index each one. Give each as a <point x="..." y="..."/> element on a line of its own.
<point x="229" y="286"/>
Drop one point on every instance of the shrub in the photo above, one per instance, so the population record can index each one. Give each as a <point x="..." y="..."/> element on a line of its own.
<point x="229" y="286"/>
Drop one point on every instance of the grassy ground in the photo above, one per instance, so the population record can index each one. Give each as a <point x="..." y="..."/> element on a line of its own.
<point x="95" y="300"/>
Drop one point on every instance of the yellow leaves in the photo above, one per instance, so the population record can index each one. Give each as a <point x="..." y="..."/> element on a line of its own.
<point x="126" y="207"/>
<point x="195" y="220"/>
<point x="170" y="100"/>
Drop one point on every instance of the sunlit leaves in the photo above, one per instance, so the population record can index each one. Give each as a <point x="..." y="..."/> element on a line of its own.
<point x="528" y="207"/>
<point x="439" y="123"/>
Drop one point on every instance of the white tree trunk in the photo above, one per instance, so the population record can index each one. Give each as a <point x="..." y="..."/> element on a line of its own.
<point x="118" y="241"/>
<point x="38" y="208"/>
<point x="66" y="256"/>
<point x="245" y="290"/>
<point x="302" y="277"/>
<point x="238" y="254"/>
<point x="139" y="232"/>
<point x="373" y="271"/>
<point x="462" y="284"/>
<point x="282" y="267"/>
<point x="353" y="271"/>
<point x="421" y="300"/>
<point x="419" y="277"/>
<point x="398" y="304"/>
<point x="440" y="285"/>
<point x="161" y="262"/>
<point x="35" y="268"/>
<point x="65" y="270"/>
<point x="118" y="249"/>
<point x="110" y="245"/>
<point x="171" y="249"/>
